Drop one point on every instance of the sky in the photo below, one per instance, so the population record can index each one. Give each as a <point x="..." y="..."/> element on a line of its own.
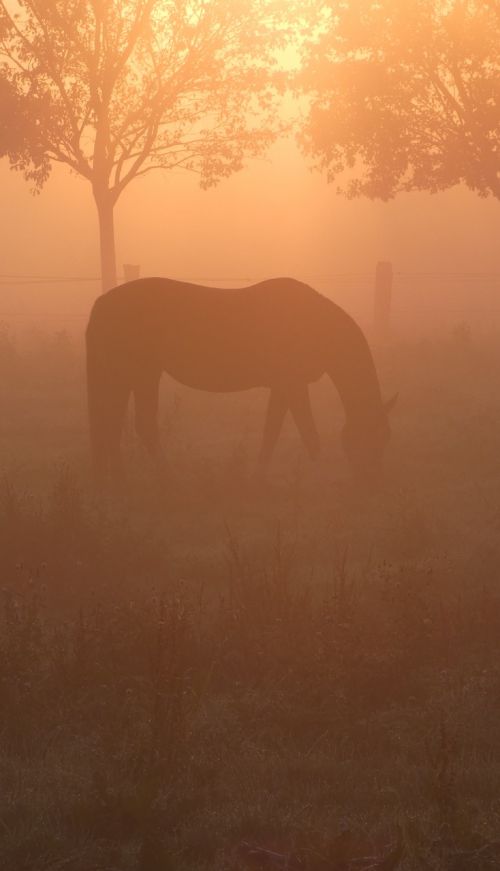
<point x="276" y="217"/>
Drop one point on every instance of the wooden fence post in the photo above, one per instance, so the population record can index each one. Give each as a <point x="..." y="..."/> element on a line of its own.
<point x="131" y="271"/>
<point x="383" y="300"/>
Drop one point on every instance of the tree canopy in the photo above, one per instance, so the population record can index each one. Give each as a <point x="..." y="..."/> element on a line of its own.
<point x="405" y="96"/>
<point x="132" y="86"/>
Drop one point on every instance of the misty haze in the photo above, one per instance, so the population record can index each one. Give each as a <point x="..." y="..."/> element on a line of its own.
<point x="249" y="435"/>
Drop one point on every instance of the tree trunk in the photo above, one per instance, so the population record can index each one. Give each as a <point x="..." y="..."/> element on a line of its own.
<point x="105" y="210"/>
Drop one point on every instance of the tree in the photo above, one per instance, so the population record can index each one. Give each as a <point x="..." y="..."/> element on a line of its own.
<point x="130" y="86"/>
<point x="406" y="96"/>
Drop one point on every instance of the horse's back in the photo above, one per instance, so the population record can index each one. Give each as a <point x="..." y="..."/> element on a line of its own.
<point x="170" y="293"/>
<point x="275" y="308"/>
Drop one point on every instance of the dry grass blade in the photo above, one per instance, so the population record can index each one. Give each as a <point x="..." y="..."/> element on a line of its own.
<point x="392" y="860"/>
<point x="259" y="857"/>
<point x="487" y="856"/>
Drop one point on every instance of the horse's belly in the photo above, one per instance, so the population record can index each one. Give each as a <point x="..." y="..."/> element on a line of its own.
<point x="225" y="367"/>
<point x="231" y="382"/>
<point x="212" y="385"/>
<point x="206" y="375"/>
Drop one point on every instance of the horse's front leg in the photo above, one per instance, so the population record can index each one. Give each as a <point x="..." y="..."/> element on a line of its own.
<point x="300" y="406"/>
<point x="276" y="410"/>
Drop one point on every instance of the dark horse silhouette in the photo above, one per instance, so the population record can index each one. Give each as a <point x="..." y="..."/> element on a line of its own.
<point x="279" y="334"/>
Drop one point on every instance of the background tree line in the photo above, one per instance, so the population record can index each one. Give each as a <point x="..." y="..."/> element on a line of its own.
<point x="399" y="97"/>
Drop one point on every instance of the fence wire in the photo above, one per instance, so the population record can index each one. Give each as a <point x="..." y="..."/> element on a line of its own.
<point x="416" y="294"/>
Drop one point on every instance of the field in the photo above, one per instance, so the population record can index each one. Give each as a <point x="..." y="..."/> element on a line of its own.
<point x="197" y="662"/>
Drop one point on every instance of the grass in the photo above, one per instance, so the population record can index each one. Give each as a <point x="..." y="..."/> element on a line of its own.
<point x="194" y="664"/>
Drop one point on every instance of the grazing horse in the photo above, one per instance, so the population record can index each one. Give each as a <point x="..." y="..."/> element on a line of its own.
<point x="280" y="334"/>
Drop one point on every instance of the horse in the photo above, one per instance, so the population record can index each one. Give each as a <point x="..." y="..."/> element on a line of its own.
<point x="278" y="334"/>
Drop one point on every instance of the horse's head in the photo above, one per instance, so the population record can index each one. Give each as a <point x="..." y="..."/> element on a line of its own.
<point x="364" y="443"/>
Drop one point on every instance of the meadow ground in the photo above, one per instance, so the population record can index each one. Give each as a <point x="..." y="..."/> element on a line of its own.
<point x="195" y="662"/>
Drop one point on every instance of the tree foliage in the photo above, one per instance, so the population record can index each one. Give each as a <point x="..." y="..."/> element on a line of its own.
<point x="405" y="96"/>
<point x="19" y="133"/>
<point x="131" y="86"/>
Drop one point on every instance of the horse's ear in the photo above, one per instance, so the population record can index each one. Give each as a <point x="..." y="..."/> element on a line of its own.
<point x="389" y="405"/>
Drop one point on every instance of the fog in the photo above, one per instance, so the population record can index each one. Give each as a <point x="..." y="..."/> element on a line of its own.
<point x="249" y="539"/>
<point x="275" y="217"/>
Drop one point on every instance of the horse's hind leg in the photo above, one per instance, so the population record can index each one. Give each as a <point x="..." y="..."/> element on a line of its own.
<point x="276" y="411"/>
<point x="300" y="406"/>
<point x="146" y="391"/>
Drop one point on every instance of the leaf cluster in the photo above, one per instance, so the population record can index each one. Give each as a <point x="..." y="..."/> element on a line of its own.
<point x="19" y="133"/>
<point x="405" y="96"/>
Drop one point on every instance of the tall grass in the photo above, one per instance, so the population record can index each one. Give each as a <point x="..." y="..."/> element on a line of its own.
<point x="197" y="674"/>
